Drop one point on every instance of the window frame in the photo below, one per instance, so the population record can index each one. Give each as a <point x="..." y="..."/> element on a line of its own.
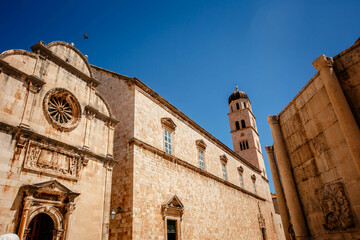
<point x="201" y="147"/>
<point x="170" y="143"/>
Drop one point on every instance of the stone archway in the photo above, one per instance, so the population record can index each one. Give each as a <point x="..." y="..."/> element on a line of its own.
<point x="52" y="199"/>
<point x="41" y="227"/>
<point x="53" y="215"/>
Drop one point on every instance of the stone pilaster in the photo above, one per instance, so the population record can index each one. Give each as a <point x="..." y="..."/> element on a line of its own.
<point x="290" y="191"/>
<point x="341" y="107"/>
<point x="279" y="191"/>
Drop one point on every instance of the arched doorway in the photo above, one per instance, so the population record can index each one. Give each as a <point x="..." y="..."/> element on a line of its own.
<point x="41" y="228"/>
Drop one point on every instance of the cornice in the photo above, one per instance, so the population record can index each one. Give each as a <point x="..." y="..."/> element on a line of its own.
<point x="31" y="80"/>
<point x="251" y="127"/>
<point x="41" y="138"/>
<point x="187" y="165"/>
<point x="240" y="110"/>
<point x="41" y="49"/>
<point x="99" y="115"/>
<point x="157" y="98"/>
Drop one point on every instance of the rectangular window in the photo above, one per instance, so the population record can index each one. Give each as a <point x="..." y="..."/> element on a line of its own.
<point x="241" y="180"/>
<point x="167" y="136"/>
<point x="201" y="159"/>
<point x="224" y="171"/>
<point x="254" y="185"/>
<point x="171" y="230"/>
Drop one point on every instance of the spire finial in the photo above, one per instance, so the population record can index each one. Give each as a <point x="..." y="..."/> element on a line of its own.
<point x="236" y="87"/>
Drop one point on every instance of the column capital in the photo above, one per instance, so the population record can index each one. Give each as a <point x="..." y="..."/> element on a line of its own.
<point x="323" y="62"/>
<point x="269" y="149"/>
<point x="273" y="119"/>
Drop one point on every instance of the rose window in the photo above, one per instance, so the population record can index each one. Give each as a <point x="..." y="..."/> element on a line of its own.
<point x="62" y="109"/>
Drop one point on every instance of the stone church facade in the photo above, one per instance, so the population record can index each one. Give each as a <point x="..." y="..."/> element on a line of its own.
<point x="56" y="135"/>
<point x="68" y="173"/>
<point x="315" y="160"/>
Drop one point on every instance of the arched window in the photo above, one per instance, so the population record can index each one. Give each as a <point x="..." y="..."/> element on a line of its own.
<point x="244" y="104"/>
<point x="232" y="109"/>
<point x="237" y="106"/>
<point x="247" y="145"/>
<point x="243" y="124"/>
<point x="237" y="125"/>
<point x="241" y="146"/>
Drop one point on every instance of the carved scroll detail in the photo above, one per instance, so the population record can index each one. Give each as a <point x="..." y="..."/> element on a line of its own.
<point x="336" y="207"/>
<point x="48" y="159"/>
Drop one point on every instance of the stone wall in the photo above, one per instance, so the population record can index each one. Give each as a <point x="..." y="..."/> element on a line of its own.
<point x="322" y="165"/>
<point x="146" y="177"/>
<point x="120" y="96"/>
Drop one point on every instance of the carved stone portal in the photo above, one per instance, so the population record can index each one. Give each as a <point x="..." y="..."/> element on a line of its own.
<point x="48" y="159"/>
<point x="336" y="207"/>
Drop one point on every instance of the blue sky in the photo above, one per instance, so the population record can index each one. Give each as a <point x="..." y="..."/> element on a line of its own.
<point x="194" y="52"/>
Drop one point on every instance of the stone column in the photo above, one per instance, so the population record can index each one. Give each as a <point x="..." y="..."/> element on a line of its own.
<point x="279" y="192"/>
<point x="34" y="85"/>
<point x="288" y="183"/>
<point x="341" y="107"/>
<point x="69" y="210"/>
<point x="28" y="200"/>
<point x="110" y="140"/>
<point x="89" y="117"/>
<point x="108" y="166"/>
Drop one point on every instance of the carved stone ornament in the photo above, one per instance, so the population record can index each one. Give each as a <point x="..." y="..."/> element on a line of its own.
<point x="173" y="208"/>
<point x="323" y="62"/>
<point x="62" y="109"/>
<point x="223" y="159"/>
<point x="335" y="207"/>
<point x="273" y="119"/>
<point x="261" y="218"/>
<point x="201" y="144"/>
<point x="168" y="123"/>
<point x="51" y="160"/>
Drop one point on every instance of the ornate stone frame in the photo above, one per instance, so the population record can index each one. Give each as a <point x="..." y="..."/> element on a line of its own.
<point x="75" y="107"/>
<point x="173" y="209"/>
<point x="51" y="198"/>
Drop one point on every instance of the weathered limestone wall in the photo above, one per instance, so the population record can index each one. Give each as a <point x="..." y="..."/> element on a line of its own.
<point x="148" y="128"/>
<point x="318" y="151"/>
<point x="78" y="159"/>
<point x="156" y="180"/>
<point x="212" y="209"/>
<point x="120" y="97"/>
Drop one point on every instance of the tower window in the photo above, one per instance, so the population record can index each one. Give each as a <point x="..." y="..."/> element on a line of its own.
<point x="243" y="125"/>
<point x="237" y="106"/>
<point x="167" y="138"/>
<point x="231" y="108"/>
<point x="244" y="104"/>
<point x="237" y="125"/>
<point x="244" y="145"/>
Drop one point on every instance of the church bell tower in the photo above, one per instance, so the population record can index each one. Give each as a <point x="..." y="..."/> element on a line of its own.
<point x="243" y="129"/>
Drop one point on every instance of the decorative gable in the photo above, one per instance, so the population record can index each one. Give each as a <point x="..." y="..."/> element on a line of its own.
<point x="223" y="159"/>
<point x="168" y="123"/>
<point x="201" y="144"/>
<point x="173" y="208"/>
<point x="51" y="190"/>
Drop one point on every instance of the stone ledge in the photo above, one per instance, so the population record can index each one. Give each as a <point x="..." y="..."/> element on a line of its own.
<point x="16" y="130"/>
<point x="185" y="164"/>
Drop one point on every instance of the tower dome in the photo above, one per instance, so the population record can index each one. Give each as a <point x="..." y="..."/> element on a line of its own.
<point x="237" y="95"/>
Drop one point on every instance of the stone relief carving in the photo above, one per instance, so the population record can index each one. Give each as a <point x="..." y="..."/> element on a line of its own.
<point x="48" y="159"/>
<point x="336" y="207"/>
